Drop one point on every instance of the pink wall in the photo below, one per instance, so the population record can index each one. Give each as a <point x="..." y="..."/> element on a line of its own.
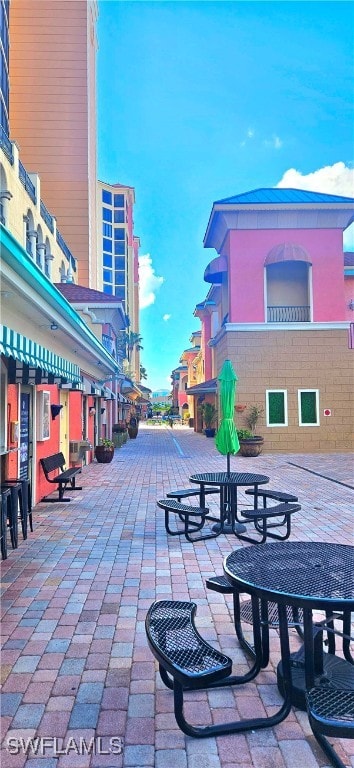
<point x="206" y="336"/>
<point x="349" y="296"/>
<point x="248" y="250"/>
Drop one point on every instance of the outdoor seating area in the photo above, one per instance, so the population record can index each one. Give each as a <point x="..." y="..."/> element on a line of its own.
<point x="15" y="509"/>
<point x="63" y="479"/>
<point x="112" y="627"/>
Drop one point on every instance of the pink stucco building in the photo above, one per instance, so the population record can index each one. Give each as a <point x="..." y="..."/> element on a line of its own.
<point x="280" y="306"/>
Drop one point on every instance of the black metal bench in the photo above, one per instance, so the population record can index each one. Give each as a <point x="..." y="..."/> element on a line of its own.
<point x="186" y="492"/>
<point x="264" y="494"/>
<point x="193" y="519"/>
<point x="183" y="654"/>
<point x="243" y="613"/>
<point x="331" y="713"/>
<point x="260" y="517"/>
<point x="65" y="478"/>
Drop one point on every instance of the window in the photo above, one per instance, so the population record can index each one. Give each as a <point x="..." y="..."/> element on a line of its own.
<point x="107" y="245"/>
<point x="119" y="217"/>
<point x="277" y="408"/>
<point x="119" y="278"/>
<point x="308" y="400"/>
<point x="119" y="201"/>
<point x="106" y="214"/>
<point x="119" y="262"/>
<point x="107" y="260"/>
<point x="106" y="196"/>
<point x="119" y="247"/>
<point x="107" y="289"/>
<point x="107" y="276"/>
<point x="107" y="230"/>
<point x="43" y="420"/>
<point x="119" y="233"/>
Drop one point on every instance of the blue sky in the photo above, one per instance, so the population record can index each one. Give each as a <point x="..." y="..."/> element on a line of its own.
<point x="199" y="101"/>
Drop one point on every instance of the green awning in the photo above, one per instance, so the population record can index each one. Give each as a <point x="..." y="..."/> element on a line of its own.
<point x="13" y="344"/>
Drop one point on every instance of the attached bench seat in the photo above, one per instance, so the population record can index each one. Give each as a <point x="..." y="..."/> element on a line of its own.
<point x="63" y="479"/>
<point x="243" y="614"/>
<point x="264" y="494"/>
<point x="186" y="492"/>
<point x="260" y="517"/>
<point x="182" y="652"/>
<point x="193" y="519"/>
<point x="331" y="713"/>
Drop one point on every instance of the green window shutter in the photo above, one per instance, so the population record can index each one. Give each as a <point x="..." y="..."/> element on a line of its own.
<point x="308" y="408"/>
<point x="276" y="403"/>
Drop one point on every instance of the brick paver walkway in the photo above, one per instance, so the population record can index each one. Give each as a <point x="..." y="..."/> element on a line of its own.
<point x="75" y="662"/>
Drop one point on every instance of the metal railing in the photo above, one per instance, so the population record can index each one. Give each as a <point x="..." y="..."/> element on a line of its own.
<point x="61" y="242"/>
<point x="26" y="181"/>
<point x="47" y="217"/>
<point x="6" y="145"/>
<point x="286" y="314"/>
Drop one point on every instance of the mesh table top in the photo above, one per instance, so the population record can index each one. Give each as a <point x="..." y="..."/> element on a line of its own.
<point x="231" y="478"/>
<point x="300" y="573"/>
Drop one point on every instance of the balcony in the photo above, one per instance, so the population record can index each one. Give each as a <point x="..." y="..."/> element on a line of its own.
<point x="284" y="314"/>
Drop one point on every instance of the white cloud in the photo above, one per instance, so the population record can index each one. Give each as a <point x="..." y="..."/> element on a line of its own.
<point x="250" y="133"/>
<point x="166" y="317"/>
<point x="275" y="142"/>
<point x="149" y="283"/>
<point x="336" y="179"/>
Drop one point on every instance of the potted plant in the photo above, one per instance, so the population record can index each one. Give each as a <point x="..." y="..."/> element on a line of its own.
<point x="104" y="451"/>
<point x="119" y="432"/>
<point x="250" y="443"/>
<point x="133" y="427"/>
<point x="209" y="414"/>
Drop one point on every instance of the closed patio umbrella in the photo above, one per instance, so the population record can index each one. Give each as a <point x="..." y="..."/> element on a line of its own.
<point x="226" y="439"/>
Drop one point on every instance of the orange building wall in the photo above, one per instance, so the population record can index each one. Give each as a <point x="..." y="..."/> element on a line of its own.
<point x="13" y="415"/>
<point x="52" y="112"/>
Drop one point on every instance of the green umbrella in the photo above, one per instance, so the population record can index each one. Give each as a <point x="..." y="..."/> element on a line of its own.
<point x="226" y="439"/>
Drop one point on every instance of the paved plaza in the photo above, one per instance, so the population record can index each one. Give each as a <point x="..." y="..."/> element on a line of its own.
<point x="75" y="661"/>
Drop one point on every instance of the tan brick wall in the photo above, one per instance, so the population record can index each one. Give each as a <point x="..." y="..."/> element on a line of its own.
<point x="294" y="360"/>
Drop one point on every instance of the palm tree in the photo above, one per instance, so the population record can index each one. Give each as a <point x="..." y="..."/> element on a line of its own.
<point x="133" y="340"/>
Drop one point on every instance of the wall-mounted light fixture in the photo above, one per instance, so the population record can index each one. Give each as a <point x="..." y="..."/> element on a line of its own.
<point x="351" y="305"/>
<point x="55" y="410"/>
<point x="103" y="410"/>
<point x="92" y="410"/>
<point x="54" y="327"/>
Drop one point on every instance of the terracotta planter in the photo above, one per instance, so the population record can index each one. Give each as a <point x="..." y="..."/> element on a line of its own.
<point x="103" y="454"/>
<point x="251" y="446"/>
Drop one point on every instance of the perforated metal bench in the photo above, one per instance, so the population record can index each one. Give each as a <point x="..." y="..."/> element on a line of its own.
<point x="331" y="713"/>
<point x="65" y="478"/>
<point x="193" y="519"/>
<point x="183" y="654"/>
<point x="243" y="614"/>
<point x="186" y="492"/>
<point x="265" y="494"/>
<point x="281" y="516"/>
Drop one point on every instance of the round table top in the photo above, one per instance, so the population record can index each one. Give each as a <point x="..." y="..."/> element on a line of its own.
<point x="231" y="478"/>
<point x="297" y="573"/>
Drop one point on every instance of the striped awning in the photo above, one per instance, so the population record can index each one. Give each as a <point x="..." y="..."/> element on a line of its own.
<point x="29" y="353"/>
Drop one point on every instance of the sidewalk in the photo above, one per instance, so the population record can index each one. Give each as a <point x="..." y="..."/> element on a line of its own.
<point x="75" y="662"/>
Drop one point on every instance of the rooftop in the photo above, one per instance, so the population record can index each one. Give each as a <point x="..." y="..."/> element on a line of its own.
<point x="282" y="196"/>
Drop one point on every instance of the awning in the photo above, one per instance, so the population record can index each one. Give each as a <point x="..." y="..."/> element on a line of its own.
<point x="33" y="356"/>
<point x="205" y="388"/>
<point x="215" y="270"/>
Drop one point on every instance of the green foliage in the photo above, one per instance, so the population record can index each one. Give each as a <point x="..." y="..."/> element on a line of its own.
<point x="209" y="414"/>
<point x="106" y="443"/>
<point x="254" y="413"/>
<point x="244" y="434"/>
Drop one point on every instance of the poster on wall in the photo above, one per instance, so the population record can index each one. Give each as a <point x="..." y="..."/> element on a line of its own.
<point x="24" y="434"/>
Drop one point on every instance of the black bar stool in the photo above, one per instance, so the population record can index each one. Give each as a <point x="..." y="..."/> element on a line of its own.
<point x="17" y="503"/>
<point x="11" y="515"/>
<point x="3" y="526"/>
<point x="26" y="496"/>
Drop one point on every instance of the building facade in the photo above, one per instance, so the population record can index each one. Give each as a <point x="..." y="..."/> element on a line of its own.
<point x="280" y="308"/>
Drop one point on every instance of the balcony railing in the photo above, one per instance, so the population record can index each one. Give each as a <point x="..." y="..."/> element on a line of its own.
<point x="26" y="181"/>
<point x="61" y="242"/>
<point x="47" y="217"/>
<point x="6" y="145"/>
<point x="283" y="314"/>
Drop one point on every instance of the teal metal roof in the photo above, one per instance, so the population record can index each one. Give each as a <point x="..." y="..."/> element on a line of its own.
<point x="282" y="196"/>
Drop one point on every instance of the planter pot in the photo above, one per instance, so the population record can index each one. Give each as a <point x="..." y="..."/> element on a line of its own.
<point x="132" y="432"/>
<point x="251" y="446"/>
<point x="209" y="431"/>
<point x="103" y="454"/>
<point x="240" y="408"/>
<point x="118" y="439"/>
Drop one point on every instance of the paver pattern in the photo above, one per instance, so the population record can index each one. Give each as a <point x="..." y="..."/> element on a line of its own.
<point x="75" y="662"/>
